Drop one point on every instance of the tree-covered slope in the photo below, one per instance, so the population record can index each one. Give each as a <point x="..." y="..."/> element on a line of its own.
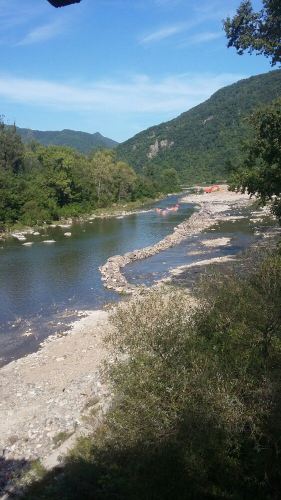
<point x="41" y="183"/>
<point x="202" y="142"/>
<point x="82" y="141"/>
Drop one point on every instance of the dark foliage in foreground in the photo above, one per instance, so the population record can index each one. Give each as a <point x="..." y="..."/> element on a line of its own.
<point x="198" y="399"/>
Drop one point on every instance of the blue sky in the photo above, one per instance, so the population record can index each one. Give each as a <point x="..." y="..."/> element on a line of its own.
<point x="114" y="66"/>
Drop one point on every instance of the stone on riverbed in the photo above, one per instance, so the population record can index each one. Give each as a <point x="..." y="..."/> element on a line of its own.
<point x="216" y="242"/>
<point x="19" y="236"/>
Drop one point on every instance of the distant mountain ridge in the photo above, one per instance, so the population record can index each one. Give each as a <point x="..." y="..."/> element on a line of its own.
<point x="202" y="142"/>
<point x="82" y="141"/>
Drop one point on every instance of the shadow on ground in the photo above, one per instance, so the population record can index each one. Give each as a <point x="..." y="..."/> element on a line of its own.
<point x="10" y="470"/>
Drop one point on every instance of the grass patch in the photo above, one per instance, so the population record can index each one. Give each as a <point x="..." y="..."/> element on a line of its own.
<point x="61" y="437"/>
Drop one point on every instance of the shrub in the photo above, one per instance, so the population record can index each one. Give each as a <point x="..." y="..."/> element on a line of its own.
<point x="197" y="399"/>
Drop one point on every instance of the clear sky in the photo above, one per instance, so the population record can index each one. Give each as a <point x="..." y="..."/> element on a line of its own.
<point x="114" y="66"/>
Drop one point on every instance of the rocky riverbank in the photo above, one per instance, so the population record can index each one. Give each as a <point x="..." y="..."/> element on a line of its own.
<point x="212" y="209"/>
<point x="50" y="397"/>
<point x="22" y="233"/>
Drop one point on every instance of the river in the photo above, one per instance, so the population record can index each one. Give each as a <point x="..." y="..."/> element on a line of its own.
<point x="45" y="286"/>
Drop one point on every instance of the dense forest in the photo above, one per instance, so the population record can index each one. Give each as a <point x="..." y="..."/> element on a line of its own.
<point x="43" y="183"/>
<point x="203" y="143"/>
<point x="82" y="141"/>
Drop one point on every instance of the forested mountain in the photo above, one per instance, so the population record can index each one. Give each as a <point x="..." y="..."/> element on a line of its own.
<point x="203" y="142"/>
<point x="82" y="141"/>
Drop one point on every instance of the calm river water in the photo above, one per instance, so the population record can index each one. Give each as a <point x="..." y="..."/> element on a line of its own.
<point x="44" y="286"/>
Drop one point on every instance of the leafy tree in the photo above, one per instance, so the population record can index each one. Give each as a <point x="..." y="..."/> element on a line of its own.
<point x="170" y="180"/>
<point x="256" y="31"/>
<point x="144" y="188"/>
<point x="125" y="179"/>
<point x="9" y="199"/>
<point x="11" y="149"/>
<point x="102" y="164"/>
<point x="261" y="172"/>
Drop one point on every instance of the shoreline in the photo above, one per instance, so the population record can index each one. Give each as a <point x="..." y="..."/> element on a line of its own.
<point x="116" y="211"/>
<point x="212" y="208"/>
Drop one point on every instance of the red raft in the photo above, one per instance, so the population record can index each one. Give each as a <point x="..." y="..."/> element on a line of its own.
<point x="211" y="189"/>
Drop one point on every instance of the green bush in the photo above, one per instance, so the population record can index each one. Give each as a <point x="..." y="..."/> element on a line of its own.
<point x="197" y="397"/>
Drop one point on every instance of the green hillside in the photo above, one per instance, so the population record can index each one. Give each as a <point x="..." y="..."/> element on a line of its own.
<point x="82" y="141"/>
<point x="202" y="142"/>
